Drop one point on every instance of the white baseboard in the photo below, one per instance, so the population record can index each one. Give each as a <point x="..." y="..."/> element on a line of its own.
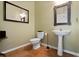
<point x="67" y="51"/>
<point x="71" y="52"/>
<point x="15" y="48"/>
<point x="49" y="46"/>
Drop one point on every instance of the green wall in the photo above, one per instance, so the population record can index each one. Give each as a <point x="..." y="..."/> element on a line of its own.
<point x="17" y="33"/>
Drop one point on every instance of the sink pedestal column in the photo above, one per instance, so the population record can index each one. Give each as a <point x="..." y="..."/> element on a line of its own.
<point x="60" y="46"/>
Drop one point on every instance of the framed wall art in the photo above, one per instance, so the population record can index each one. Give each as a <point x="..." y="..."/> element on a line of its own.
<point x="62" y="14"/>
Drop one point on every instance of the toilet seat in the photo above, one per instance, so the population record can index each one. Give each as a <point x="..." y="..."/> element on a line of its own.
<point x="35" y="39"/>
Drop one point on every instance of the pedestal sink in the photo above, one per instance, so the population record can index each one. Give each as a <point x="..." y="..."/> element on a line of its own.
<point x="60" y="33"/>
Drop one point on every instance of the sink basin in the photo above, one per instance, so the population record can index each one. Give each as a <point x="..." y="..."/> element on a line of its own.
<point x="61" y="32"/>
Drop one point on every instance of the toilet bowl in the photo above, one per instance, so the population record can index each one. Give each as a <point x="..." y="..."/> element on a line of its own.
<point x="36" y="41"/>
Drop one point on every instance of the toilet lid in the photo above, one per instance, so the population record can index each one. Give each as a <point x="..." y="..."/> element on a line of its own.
<point x="34" y="39"/>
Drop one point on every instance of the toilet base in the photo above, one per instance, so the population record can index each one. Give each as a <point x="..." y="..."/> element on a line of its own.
<point x="36" y="46"/>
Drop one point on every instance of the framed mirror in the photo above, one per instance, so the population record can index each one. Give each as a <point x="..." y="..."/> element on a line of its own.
<point x="62" y="14"/>
<point x="15" y="13"/>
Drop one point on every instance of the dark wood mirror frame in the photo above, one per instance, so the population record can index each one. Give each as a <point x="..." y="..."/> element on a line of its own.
<point x="68" y="4"/>
<point x="22" y="20"/>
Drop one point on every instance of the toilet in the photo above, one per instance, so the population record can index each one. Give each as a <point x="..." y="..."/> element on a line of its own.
<point x="36" y="41"/>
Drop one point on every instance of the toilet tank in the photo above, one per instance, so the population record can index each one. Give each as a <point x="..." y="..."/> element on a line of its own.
<point x="40" y="35"/>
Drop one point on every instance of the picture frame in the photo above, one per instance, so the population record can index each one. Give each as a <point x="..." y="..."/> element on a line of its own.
<point x="15" y="13"/>
<point x="62" y="14"/>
